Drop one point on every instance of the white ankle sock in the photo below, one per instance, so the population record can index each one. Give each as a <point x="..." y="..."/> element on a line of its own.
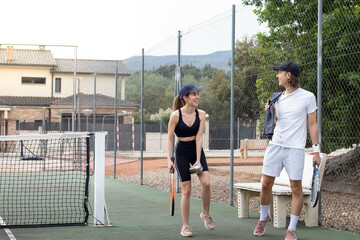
<point x="293" y="222"/>
<point x="264" y="212"/>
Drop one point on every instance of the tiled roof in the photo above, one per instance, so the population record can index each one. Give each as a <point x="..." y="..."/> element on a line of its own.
<point x="85" y="99"/>
<point x="28" y="57"/>
<point x="91" y="66"/>
<point x="88" y="100"/>
<point x="27" y="101"/>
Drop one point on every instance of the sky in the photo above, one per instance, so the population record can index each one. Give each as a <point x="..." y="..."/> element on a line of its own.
<point x="119" y="29"/>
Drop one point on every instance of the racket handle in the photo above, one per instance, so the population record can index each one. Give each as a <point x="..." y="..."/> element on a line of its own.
<point x="172" y="169"/>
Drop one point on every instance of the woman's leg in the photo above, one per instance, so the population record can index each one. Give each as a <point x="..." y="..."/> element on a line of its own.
<point x="204" y="178"/>
<point x="185" y="202"/>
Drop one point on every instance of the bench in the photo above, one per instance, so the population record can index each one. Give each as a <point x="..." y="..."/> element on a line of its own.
<point x="281" y="195"/>
<point x="252" y="144"/>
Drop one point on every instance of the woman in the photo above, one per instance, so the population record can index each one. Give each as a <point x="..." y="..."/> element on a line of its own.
<point x="188" y="124"/>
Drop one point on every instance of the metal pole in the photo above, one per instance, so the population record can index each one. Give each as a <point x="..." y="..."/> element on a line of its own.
<point x="43" y="122"/>
<point x="60" y="120"/>
<point x="142" y="117"/>
<point x="179" y="58"/>
<point x="78" y="106"/>
<point x="115" y="118"/>
<point x="160" y="133"/>
<point x="319" y="85"/>
<point x="94" y="108"/>
<point x="238" y="133"/>
<point x="74" y="92"/>
<point x="232" y="108"/>
<point x="178" y="85"/>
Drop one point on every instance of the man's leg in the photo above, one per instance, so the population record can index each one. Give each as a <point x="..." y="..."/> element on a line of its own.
<point x="265" y="199"/>
<point x="296" y="206"/>
<point x="296" y="203"/>
<point x="265" y="196"/>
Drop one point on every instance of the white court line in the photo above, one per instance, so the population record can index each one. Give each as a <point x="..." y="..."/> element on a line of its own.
<point x="8" y="232"/>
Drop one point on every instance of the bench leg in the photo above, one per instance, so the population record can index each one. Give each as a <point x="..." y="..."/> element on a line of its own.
<point x="311" y="214"/>
<point x="280" y="210"/>
<point x="243" y="202"/>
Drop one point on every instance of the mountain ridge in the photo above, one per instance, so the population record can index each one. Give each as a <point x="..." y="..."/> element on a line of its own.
<point x="217" y="59"/>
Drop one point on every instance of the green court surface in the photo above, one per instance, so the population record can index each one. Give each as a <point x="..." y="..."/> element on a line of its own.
<point x="139" y="212"/>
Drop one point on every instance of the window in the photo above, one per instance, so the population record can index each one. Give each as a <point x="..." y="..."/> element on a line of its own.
<point x="33" y="80"/>
<point x="57" y="85"/>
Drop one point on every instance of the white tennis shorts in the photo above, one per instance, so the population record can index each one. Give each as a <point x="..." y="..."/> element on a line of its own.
<point x="277" y="157"/>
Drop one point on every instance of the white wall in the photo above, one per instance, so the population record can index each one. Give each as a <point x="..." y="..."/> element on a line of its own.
<point x="153" y="141"/>
<point x="10" y="81"/>
<point x="105" y="84"/>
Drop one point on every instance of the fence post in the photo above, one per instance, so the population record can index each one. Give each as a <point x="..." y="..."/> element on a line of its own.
<point x="319" y="85"/>
<point x="142" y="117"/>
<point x="160" y="133"/>
<point x="232" y="107"/>
<point x="115" y="117"/>
<point x="238" y="133"/>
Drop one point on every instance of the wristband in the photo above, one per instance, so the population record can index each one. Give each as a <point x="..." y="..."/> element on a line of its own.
<point x="316" y="148"/>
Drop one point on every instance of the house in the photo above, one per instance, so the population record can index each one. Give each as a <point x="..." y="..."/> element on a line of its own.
<point x="35" y="87"/>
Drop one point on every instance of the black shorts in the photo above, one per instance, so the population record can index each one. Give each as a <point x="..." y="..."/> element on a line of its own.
<point x="185" y="154"/>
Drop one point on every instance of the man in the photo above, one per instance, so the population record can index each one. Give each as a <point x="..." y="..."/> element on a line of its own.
<point x="294" y="108"/>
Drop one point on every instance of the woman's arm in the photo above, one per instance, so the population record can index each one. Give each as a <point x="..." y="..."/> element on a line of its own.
<point x="199" y="135"/>
<point x="174" y="118"/>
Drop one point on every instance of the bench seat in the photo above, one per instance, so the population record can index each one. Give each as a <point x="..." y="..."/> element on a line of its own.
<point x="252" y="144"/>
<point x="281" y="195"/>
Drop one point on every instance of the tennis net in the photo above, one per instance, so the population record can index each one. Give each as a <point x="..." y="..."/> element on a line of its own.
<point x="44" y="179"/>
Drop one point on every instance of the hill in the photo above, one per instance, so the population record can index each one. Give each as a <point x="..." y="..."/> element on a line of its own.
<point x="218" y="59"/>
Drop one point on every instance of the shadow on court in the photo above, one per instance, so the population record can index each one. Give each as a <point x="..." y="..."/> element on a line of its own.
<point x="139" y="212"/>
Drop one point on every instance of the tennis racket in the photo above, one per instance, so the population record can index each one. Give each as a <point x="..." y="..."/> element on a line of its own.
<point x="315" y="186"/>
<point x="172" y="190"/>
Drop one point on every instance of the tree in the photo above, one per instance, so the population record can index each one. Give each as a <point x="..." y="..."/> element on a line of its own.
<point x="293" y="35"/>
<point x="246" y="103"/>
<point x="159" y="89"/>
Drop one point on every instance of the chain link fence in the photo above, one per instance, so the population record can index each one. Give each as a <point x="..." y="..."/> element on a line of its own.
<point x="267" y="33"/>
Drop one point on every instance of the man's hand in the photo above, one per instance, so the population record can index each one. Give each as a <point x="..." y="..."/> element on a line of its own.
<point x="316" y="159"/>
<point x="267" y="106"/>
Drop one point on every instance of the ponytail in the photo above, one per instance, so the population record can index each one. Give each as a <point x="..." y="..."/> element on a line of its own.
<point x="178" y="103"/>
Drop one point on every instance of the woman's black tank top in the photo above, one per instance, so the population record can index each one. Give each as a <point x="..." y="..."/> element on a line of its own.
<point x="182" y="130"/>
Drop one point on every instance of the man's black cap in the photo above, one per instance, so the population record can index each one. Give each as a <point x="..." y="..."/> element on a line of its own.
<point x="289" y="66"/>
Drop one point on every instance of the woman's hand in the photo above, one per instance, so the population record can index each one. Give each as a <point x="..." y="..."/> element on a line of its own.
<point x="197" y="163"/>
<point x="170" y="164"/>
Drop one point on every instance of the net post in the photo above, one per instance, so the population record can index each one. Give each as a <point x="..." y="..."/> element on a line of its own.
<point x="99" y="180"/>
